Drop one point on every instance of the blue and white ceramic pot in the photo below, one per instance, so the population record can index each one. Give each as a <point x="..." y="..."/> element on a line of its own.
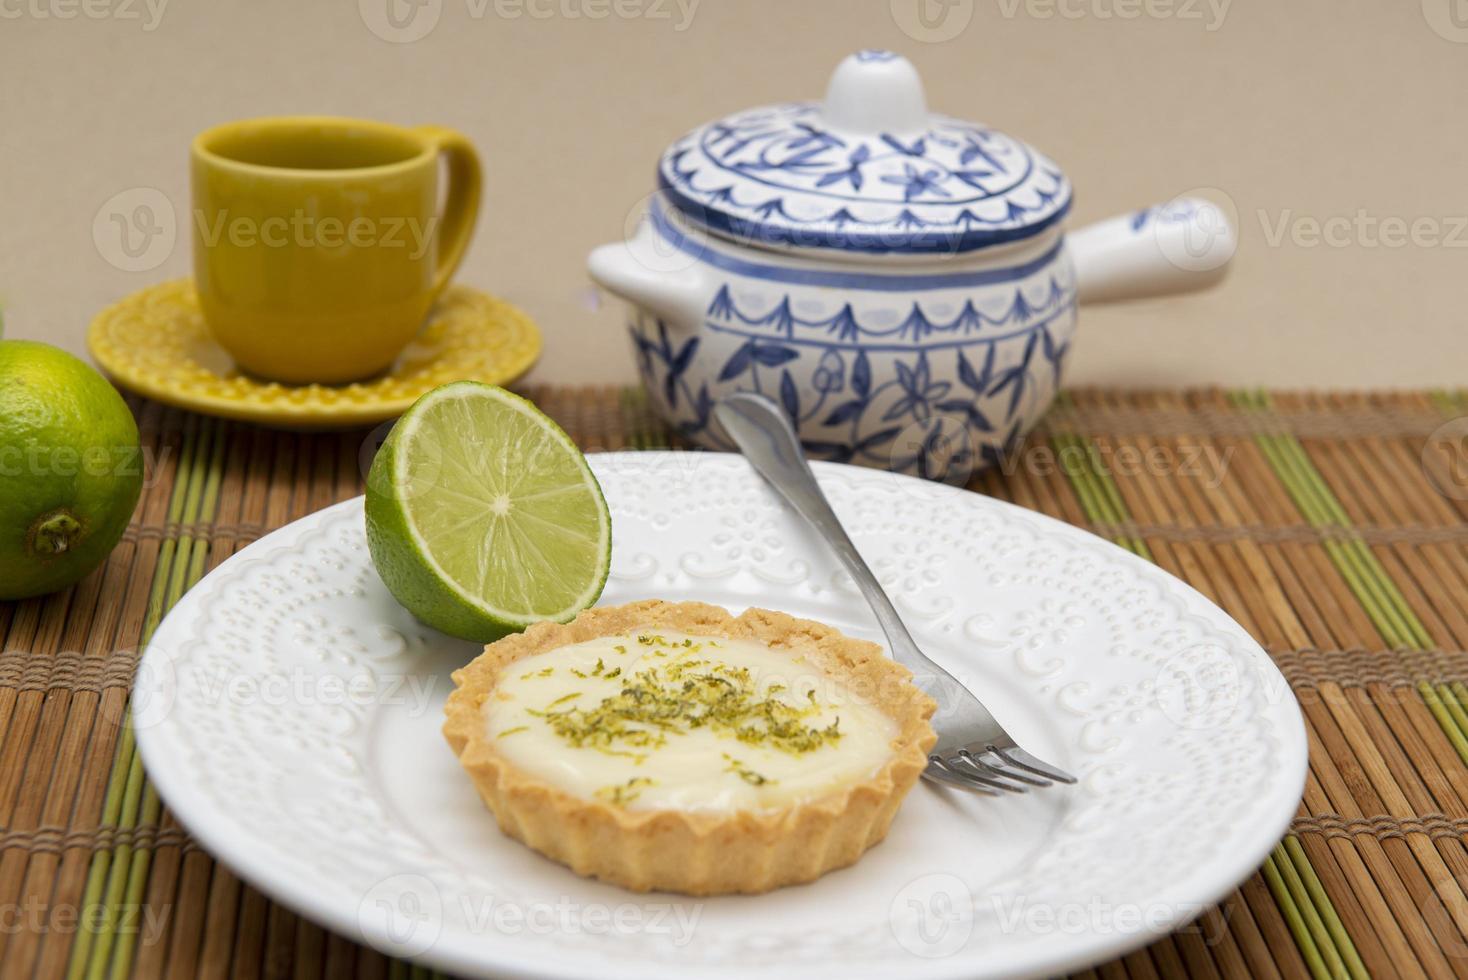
<point x="900" y="282"/>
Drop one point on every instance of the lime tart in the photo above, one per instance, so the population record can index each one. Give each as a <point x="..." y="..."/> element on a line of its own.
<point x="672" y="746"/>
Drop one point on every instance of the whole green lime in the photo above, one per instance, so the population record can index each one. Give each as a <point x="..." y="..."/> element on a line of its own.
<point x="70" y="469"/>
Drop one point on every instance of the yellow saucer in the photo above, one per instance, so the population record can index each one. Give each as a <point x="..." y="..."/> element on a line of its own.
<point x="155" y="342"/>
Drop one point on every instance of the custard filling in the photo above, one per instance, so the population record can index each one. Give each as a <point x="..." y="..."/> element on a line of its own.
<point x="657" y="719"/>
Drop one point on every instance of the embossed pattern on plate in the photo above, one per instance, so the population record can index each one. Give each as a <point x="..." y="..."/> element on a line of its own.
<point x="288" y="711"/>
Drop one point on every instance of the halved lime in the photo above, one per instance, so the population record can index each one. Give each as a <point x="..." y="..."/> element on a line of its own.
<point x="483" y="516"/>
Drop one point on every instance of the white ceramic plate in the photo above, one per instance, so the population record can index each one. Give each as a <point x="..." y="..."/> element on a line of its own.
<point x="288" y="711"/>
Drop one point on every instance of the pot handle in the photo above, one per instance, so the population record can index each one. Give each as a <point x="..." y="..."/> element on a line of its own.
<point x="675" y="292"/>
<point x="1177" y="247"/>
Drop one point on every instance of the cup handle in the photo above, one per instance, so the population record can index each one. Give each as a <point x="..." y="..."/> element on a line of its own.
<point x="461" y="206"/>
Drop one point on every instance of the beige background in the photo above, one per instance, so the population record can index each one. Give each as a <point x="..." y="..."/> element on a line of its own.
<point x="1296" y="112"/>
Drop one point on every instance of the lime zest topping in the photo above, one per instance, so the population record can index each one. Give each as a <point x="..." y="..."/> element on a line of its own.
<point x="671" y="699"/>
<point x="744" y="772"/>
<point x="623" y="793"/>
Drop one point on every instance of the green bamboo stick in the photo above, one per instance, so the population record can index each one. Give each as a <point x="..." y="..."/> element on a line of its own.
<point x="1293" y="916"/>
<point x="1453" y="699"/>
<point x="1392" y="628"/>
<point x="635" y="413"/>
<point x="1078" y="464"/>
<point x="1250" y="399"/>
<point x="176" y="505"/>
<point x="1415" y="632"/>
<point x="1335" y="966"/>
<point x="1079" y="477"/>
<point x="1456" y="734"/>
<point x="1330" y="504"/>
<point x="1098" y="495"/>
<point x="1110" y="492"/>
<point x="137" y="882"/>
<point x="1407" y="626"/>
<point x="1340" y="939"/>
<point x="1362" y="572"/>
<point x="1305" y="504"/>
<point x="628" y="408"/>
<point x="97" y="873"/>
<point x="1416" y="629"/>
<point x="117" y="880"/>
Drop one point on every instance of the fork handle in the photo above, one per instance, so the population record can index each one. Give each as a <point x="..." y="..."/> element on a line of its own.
<point x="766" y="438"/>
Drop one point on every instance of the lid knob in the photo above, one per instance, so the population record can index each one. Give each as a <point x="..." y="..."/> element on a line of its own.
<point x="873" y="92"/>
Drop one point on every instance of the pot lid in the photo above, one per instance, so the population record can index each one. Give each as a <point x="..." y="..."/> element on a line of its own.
<point x="869" y="170"/>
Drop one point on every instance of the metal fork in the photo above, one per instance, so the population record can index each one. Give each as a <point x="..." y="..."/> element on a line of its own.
<point x="973" y="751"/>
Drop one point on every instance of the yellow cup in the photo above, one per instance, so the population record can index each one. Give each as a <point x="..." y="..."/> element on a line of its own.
<point x="319" y="247"/>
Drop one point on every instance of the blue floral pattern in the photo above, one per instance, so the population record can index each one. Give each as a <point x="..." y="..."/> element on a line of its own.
<point x="916" y="327"/>
<point x="968" y="380"/>
<point x="776" y="175"/>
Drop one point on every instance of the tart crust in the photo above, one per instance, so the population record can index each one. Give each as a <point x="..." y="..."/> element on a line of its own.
<point x="696" y="853"/>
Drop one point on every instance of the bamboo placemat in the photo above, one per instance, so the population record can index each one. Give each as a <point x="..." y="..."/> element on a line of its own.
<point x="1309" y="517"/>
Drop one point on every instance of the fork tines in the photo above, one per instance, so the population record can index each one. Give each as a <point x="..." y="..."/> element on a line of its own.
<point x="988" y="768"/>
